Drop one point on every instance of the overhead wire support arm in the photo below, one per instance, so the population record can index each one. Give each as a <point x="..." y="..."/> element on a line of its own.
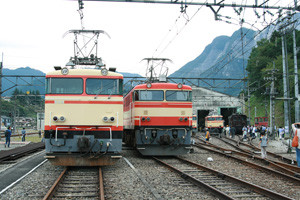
<point x="215" y="12"/>
<point x="204" y="3"/>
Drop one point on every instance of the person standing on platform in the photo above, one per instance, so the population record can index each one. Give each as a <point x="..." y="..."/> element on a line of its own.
<point x="7" y="137"/>
<point x="23" y="134"/>
<point x="263" y="142"/>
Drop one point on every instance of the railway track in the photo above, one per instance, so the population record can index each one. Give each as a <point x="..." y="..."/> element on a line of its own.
<point x="219" y="184"/>
<point x="78" y="183"/>
<point x="13" y="154"/>
<point x="265" y="166"/>
<point x="277" y="162"/>
<point x="254" y="150"/>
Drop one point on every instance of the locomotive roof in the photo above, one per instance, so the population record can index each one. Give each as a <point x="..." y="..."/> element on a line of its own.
<point x="163" y="86"/>
<point x="83" y="72"/>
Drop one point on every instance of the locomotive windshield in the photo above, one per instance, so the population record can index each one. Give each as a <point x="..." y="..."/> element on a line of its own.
<point x="174" y="95"/>
<point x="64" y="86"/>
<point x="149" y="95"/>
<point x="104" y="86"/>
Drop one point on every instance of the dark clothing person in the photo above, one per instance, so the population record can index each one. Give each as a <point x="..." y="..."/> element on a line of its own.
<point x="232" y="132"/>
<point x="220" y="131"/>
<point x="7" y="137"/>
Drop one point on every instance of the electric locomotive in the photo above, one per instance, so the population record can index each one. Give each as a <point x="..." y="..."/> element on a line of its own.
<point x="238" y="121"/>
<point x="158" y="119"/>
<point x="213" y="122"/>
<point x="83" y="112"/>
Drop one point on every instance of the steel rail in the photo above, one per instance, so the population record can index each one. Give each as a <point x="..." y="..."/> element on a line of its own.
<point x="287" y="160"/>
<point x="256" y="188"/>
<point x="101" y="186"/>
<point x="268" y="152"/>
<point x="199" y="183"/>
<point x="253" y="165"/>
<point x="54" y="187"/>
<point x="291" y="169"/>
<point x="19" y="152"/>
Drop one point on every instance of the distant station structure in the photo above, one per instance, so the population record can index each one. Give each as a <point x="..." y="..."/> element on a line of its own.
<point x="206" y="101"/>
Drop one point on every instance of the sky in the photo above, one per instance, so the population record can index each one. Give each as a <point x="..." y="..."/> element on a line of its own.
<point x="31" y="31"/>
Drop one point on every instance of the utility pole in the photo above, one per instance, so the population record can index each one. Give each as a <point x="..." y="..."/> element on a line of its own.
<point x="249" y="108"/>
<point x="296" y="75"/>
<point x="285" y="92"/>
<point x="272" y="94"/>
<point x="1" y="66"/>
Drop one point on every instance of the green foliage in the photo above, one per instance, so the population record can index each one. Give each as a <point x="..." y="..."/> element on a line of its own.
<point x="266" y="55"/>
<point x="26" y="104"/>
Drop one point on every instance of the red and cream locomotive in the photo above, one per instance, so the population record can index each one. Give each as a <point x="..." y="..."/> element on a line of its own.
<point x="158" y="118"/>
<point x="83" y="112"/>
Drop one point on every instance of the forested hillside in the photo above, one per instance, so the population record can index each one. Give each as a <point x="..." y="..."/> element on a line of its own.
<point x="266" y="55"/>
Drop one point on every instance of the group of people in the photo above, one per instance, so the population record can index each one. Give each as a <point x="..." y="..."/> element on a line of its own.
<point x="252" y="131"/>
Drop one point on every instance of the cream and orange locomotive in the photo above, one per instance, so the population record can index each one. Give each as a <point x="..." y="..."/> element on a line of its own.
<point x="158" y="119"/>
<point x="83" y="112"/>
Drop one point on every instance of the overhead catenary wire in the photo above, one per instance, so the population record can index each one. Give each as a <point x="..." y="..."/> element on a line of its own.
<point x="230" y="52"/>
<point x="180" y="30"/>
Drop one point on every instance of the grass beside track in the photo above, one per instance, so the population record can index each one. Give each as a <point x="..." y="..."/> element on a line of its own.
<point x="31" y="138"/>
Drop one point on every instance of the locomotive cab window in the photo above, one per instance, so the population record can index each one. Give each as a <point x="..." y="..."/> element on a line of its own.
<point x="64" y="86"/>
<point x="210" y="119"/>
<point x="149" y="95"/>
<point x="175" y="95"/>
<point x="104" y="86"/>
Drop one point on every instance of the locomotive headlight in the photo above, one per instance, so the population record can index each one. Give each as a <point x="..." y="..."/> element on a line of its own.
<point x="143" y="119"/>
<point x="104" y="72"/>
<point x="112" y="119"/>
<point x="149" y="85"/>
<point x="62" y="118"/>
<point x="175" y="133"/>
<point x="180" y="119"/>
<point x="185" y="119"/>
<point x="64" y="71"/>
<point x="105" y="119"/>
<point x="55" y="118"/>
<point x="148" y="119"/>
<point x="179" y="85"/>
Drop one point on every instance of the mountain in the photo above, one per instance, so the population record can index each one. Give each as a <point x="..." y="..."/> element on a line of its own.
<point x="38" y="83"/>
<point x="225" y="57"/>
<point x="10" y="83"/>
